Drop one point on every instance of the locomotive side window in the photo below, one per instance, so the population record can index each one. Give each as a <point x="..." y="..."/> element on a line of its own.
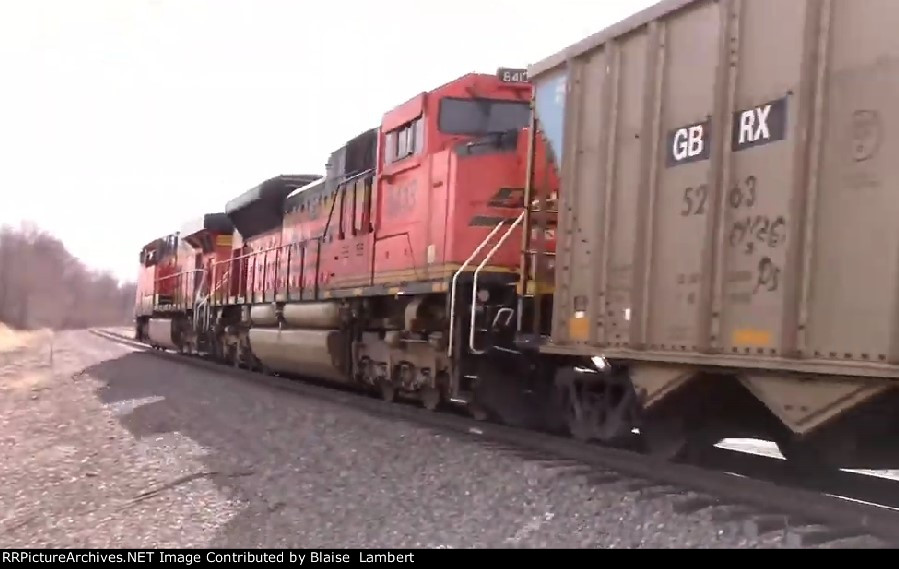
<point x="482" y="116"/>
<point x="347" y="210"/>
<point x="362" y="193"/>
<point x="148" y="258"/>
<point x="405" y="141"/>
<point x="351" y="208"/>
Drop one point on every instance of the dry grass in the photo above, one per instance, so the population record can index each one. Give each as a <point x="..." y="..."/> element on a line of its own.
<point x="29" y="381"/>
<point x="12" y="340"/>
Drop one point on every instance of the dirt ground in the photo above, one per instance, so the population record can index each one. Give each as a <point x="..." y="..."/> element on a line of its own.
<point x="14" y="340"/>
<point x="72" y="474"/>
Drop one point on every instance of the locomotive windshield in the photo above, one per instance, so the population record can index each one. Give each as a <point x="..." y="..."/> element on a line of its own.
<point x="482" y="116"/>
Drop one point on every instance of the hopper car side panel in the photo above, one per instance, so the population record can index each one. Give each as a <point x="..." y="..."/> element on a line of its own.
<point x="729" y="236"/>
<point x="725" y="182"/>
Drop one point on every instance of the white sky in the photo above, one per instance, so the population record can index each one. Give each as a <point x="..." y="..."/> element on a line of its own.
<point x="122" y="119"/>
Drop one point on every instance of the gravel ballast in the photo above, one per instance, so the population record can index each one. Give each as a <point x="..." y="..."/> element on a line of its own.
<point x="117" y="448"/>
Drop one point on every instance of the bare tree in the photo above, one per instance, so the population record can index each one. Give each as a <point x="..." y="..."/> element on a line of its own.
<point x="42" y="285"/>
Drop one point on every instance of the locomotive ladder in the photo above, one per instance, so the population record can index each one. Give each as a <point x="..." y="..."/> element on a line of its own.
<point x="202" y="302"/>
<point x="453" y="287"/>
<point x="474" y="286"/>
<point x="539" y="200"/>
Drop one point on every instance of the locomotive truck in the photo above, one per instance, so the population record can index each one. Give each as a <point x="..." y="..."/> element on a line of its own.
<point x="689" y="233"/>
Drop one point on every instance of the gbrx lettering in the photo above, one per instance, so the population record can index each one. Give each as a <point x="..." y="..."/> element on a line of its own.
<point x="688" y="144"/>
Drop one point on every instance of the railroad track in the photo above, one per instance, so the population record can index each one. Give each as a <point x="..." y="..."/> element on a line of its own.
<point x="748" y="504"/>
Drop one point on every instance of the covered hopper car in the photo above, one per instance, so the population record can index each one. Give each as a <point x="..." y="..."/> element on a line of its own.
<point x="728" y="248"/>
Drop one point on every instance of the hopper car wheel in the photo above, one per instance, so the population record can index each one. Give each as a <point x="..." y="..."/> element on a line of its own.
<point x="812" y="457"/>
<point x="477" y="411"/>
<point x="671" y="436"/>
<point x="573" y="408"/>
<point x="596" y="405"/>
<point x="667" y="442"/>
<point x="575" y="417"/>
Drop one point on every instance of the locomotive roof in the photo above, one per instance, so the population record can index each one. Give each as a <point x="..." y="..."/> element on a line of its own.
<point x="213" y="222"/>
<point x="155" y="243"/>
<point x="299" y="193"/>
<point x="273" y="190"/>
<point x="260" y="209"/>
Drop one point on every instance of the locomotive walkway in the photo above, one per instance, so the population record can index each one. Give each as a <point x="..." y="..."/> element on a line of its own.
<point x="108" y="445"/>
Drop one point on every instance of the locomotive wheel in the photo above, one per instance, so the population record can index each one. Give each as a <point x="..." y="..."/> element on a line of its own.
<point x="388" y="391"/>
<point x="430" y="398"/>
<point x="477" y="411"/>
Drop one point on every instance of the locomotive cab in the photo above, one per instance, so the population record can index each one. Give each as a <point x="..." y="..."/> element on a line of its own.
<point x="452" y="168"/>
<point x="155" y="284"/>
<point x="160" y="261"/>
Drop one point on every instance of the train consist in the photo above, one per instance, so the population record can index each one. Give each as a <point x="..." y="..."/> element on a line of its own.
<point x="683" y="225"/>
<point x="394" y="270"/>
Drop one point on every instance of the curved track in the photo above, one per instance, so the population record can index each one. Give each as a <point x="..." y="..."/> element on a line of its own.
<point x="750" y="494"/>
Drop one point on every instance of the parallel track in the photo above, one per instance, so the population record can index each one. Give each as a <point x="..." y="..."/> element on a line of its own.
<point x="751" y="505"/>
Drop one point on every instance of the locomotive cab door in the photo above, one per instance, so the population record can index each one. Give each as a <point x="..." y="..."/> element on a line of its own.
<point x="403" y="212"/>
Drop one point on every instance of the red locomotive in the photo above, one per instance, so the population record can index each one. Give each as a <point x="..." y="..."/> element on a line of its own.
<point x="394" y="270"/>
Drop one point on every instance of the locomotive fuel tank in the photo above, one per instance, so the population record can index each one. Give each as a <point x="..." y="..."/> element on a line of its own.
<point x="312" y="316"/>
<point x="163" y="332"/>
<point x="315" y="316"/>
<point x="264" y="315"/>
<point x="314" y="353"/>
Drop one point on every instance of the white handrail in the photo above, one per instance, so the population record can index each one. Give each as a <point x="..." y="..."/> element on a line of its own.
<point x="449" y="351"/>
<point x="474" y="286"/>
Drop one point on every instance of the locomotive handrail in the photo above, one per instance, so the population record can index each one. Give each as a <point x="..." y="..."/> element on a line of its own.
<point x="474" y="254"/>
<point x="228" y="275"/>
<point x="178" y="276"/>
<point x="474" y="286"/>
<point x="355" y="176"/>
<point x="264" y="252"/>
<point x="199" y="300"/>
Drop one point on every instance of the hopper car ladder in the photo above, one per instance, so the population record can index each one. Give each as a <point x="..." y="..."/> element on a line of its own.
<point x="540" y="218"/>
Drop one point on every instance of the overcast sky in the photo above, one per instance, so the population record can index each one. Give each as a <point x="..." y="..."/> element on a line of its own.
<point x="122" y="119"/>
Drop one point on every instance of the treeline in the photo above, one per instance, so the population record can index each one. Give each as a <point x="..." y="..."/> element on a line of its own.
<point x="42" y="285"/>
